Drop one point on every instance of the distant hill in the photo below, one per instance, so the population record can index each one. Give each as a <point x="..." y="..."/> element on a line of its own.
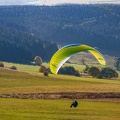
<point x="85" y="58"/>
<point x="95" y="25"/>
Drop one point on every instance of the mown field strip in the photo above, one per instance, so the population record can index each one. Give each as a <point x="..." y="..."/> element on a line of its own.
<point x="27" y="109"/>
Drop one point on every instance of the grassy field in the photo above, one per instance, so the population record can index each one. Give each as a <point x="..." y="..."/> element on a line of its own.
<point x="20" y="109"/>
<point x="35" y="69"/>
<point x="21" y="82"/>
<point x="28" y="80"/>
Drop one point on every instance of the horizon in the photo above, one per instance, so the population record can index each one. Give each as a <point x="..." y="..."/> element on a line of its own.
<point x="56" y="2"/>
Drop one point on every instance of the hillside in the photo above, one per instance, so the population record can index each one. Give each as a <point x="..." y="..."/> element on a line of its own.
<point x="88" y="59"/>
<point x="19" y="46"/>
<point x="94" y="25"/>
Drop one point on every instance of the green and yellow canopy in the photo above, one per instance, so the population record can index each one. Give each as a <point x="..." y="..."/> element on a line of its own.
<point x="63" y="54"/>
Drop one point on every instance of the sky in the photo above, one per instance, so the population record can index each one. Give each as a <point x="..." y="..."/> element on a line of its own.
<point x="54" y="2"/>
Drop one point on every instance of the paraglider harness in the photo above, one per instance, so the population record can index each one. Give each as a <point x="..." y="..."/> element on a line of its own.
<point x="74" y="104"/>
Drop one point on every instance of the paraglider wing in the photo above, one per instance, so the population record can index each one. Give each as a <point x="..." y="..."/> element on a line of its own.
<point x="62" y="62"/>
<point x="98" y="56"/>
<point x="63" y="54"/>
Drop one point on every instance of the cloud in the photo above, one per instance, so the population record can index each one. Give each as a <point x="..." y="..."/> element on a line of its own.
<point x="54" y="2"/>
<point x="8" y="2"/>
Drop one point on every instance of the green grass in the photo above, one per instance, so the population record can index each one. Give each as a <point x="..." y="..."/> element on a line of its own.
<point x="23" y="67"/>
<point x="29" y="80"/>
<point x="20" y="109"/>
<point x="21" y="82"/>
<point x="35" y="69"/>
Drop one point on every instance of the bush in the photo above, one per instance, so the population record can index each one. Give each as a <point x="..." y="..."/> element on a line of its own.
<point x="117" y="63"/>
<point x="101" y="73"/>
<point x="42" y="69"/>
<point x="94" y="71"/>
<point x="13" y="68"/>
<point x="77" y="74"/>
<point x="108" y="73"/>
<point x="1" y="64"/>
<point x="45" y="73"/>
<point x="69" y="70"/>
<point x="38" y="60"/>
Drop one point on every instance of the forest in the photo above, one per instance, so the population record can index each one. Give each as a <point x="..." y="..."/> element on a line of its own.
<point x="27" y="31"/>
<point x="17" y="46"/>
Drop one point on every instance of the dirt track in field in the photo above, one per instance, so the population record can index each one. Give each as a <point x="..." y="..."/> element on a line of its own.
<point x="64" y="95"/>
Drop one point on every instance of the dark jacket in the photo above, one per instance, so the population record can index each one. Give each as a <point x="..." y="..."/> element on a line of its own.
<point x="74" y="104"/>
